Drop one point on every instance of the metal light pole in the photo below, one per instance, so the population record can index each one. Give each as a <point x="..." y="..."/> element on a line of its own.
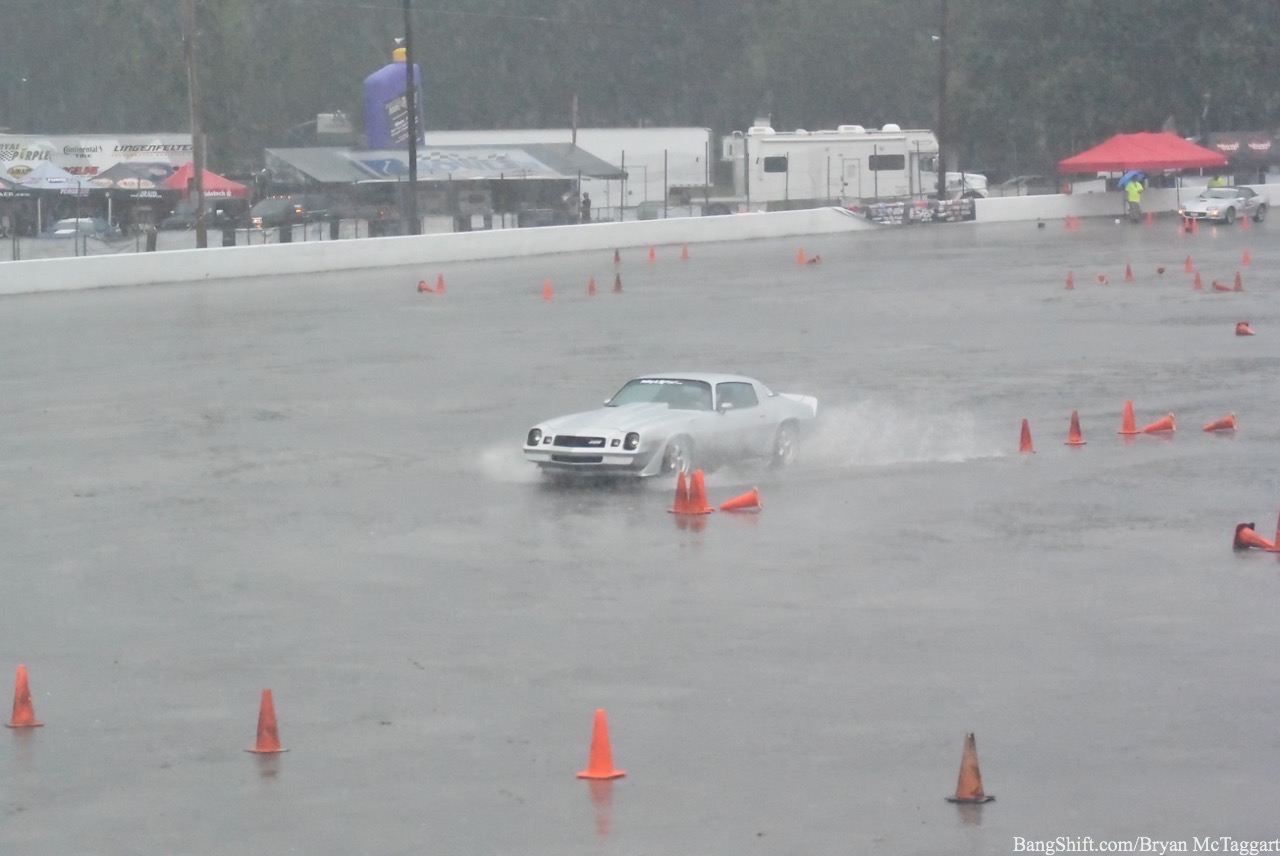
<point x="942" y="98"/>
<point x="411" y="93"/>
<point x="197" y="132"/>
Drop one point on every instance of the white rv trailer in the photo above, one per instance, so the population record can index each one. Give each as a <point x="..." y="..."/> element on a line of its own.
<point x="774" y="170"/>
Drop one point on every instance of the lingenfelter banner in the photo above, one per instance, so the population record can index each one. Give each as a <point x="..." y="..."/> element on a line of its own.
<point x="89" y="154"/>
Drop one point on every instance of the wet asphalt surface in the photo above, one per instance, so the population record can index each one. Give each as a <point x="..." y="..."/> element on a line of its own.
<point x="313" y="485"/>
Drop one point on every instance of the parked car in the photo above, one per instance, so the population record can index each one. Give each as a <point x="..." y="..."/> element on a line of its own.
<point x="72" y="227"/>
<point x="218" y="214"/>
<point x="1225" y="204"/>
<point x="661" y="423"/>
<point x="1027" y="185"/>
<point x="277" y="211"/>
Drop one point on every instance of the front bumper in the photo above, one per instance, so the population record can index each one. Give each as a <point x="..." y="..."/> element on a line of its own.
<point x="590" y="461"/>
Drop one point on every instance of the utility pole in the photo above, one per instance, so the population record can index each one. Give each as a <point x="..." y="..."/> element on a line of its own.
<point x="411" y="94"/>
<point x="197" y="129"/>
<point x="943" y="136"/>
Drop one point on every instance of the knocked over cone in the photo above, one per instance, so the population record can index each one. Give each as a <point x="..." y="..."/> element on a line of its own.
<point x="1246" y="538"/>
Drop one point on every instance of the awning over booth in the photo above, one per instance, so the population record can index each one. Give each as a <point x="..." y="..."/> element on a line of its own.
<point x="1142" y="151"/>
<point x="440" y="163"/>
<point x="10" y="190"/>
<point x="213" y="184"/>
<point x="48" y="176"/>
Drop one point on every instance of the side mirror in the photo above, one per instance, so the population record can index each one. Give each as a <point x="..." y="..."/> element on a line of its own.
<point x="726" y="406"/>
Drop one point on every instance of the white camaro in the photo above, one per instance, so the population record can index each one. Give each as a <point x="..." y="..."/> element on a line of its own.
<point x="660" y="423"/>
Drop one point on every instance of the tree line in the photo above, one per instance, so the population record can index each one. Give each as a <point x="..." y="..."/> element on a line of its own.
<point x="1027" y="81"/>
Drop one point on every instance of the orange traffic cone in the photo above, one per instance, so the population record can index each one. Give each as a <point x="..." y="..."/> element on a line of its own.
<point x="1244" y="223"/>
<point x="1160" y="270"/>
<point x="1186" y="266"/>
<point x="698" y="495"/>
<point x="24" y="715"/>
<point x="1199" y="283"/>
<point x="600" y="761"/>
<point x="1245" y="538"/>
<point x="1243" y="328"/>
<point x="617" y="257"/>
<point x="800" y="257"/>
<point x="684" y="252"/>
<point x="1195" y="227"/>
<point x="1071" y="280"/>
<point x="652" y="255"/>
<point x="547" y="292"/>
<point x="1239" y="283"/>
<point x="1150" y="219"/>
<point x="1127" y="425"/>
<point x="1024" y="444"/>
<point x="1102" y="279"/>
<point x="1128" y="273"/>
<point x="681" y="504"/>
<point x="969" y="786"/>
<point x="591" y="285"/>
<point x="1073" y="434"/>
<point x="1220" y="286"/>
<point x="749" y="501"/>
<point x="440" y="284"/>
<point x="617" y="283"/>
<point x="1226" y="423"/>
<point x="422" y="286"/>
<point x="268" y="736"/>
<point x="1163" y="424"/>
<point x="816" y="260"/>
<point x="1245" y="259"/>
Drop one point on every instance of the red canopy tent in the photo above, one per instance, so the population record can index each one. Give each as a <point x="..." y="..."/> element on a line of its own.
<point x="1142" y="151"/>
<point x="214" y="184"/>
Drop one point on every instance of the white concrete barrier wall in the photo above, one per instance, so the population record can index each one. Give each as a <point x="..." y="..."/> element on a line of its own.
<point x="285" y="259"/>
<point x="1056" y="206"/>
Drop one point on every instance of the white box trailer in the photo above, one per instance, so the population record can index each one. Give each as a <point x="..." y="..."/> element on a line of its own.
<point x="850" y="165"/>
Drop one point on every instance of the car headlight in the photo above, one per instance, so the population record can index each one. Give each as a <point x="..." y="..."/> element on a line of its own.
<point x="631" y="442"/>
<point x="534" y="438"/>
<point x="1215" y="211"/>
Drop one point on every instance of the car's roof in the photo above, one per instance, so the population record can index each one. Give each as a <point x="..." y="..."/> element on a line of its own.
<point x="709" y="377"/>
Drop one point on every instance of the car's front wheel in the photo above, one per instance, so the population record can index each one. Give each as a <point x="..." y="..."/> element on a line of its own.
<point x="1230" y="216"/>
<point x="677" y="456"/>
<point x="784" y="445"/>
<point x="1260" y="214"/>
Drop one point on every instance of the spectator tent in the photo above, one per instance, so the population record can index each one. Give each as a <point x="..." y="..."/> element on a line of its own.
<point x="1151" y="152"/>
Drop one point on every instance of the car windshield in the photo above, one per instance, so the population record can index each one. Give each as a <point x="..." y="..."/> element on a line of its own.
<point x="1220" y="193"/>
<point x="72" y="225"/>
<point x="273" y="206"/>
<point x="676" y="393"/>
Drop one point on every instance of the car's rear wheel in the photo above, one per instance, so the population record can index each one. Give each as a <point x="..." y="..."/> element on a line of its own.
<point x="677" y="456"/>
<point x="784" y="445"/>
<point x="1260" y="214"/>
<point x="1230" y="216"/>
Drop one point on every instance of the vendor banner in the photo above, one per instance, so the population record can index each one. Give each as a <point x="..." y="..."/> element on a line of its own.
<point x="89" y="154"/>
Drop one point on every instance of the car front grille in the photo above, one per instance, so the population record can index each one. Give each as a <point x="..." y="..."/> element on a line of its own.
<point x="578" y="459"/>
<point x="573" y="442"/>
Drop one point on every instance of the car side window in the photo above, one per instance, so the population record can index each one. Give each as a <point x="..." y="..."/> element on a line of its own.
<point x="740" y="395"/>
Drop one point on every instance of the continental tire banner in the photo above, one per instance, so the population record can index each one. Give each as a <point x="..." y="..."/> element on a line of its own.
<point x="89" y="154"/>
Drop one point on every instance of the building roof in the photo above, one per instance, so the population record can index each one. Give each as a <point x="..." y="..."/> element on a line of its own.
<point x="530" y="161"/>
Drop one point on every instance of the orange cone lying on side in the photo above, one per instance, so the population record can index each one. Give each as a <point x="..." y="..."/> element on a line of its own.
<point x="1226" y="423"/>
<point x="1247" y="538"/>
<point x="749" y="501"/>
<point x="1162" y="425"/>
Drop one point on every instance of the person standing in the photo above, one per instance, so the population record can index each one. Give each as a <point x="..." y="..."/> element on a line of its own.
<point x="1133" y="191"/>
<point x="586" y="208"/>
